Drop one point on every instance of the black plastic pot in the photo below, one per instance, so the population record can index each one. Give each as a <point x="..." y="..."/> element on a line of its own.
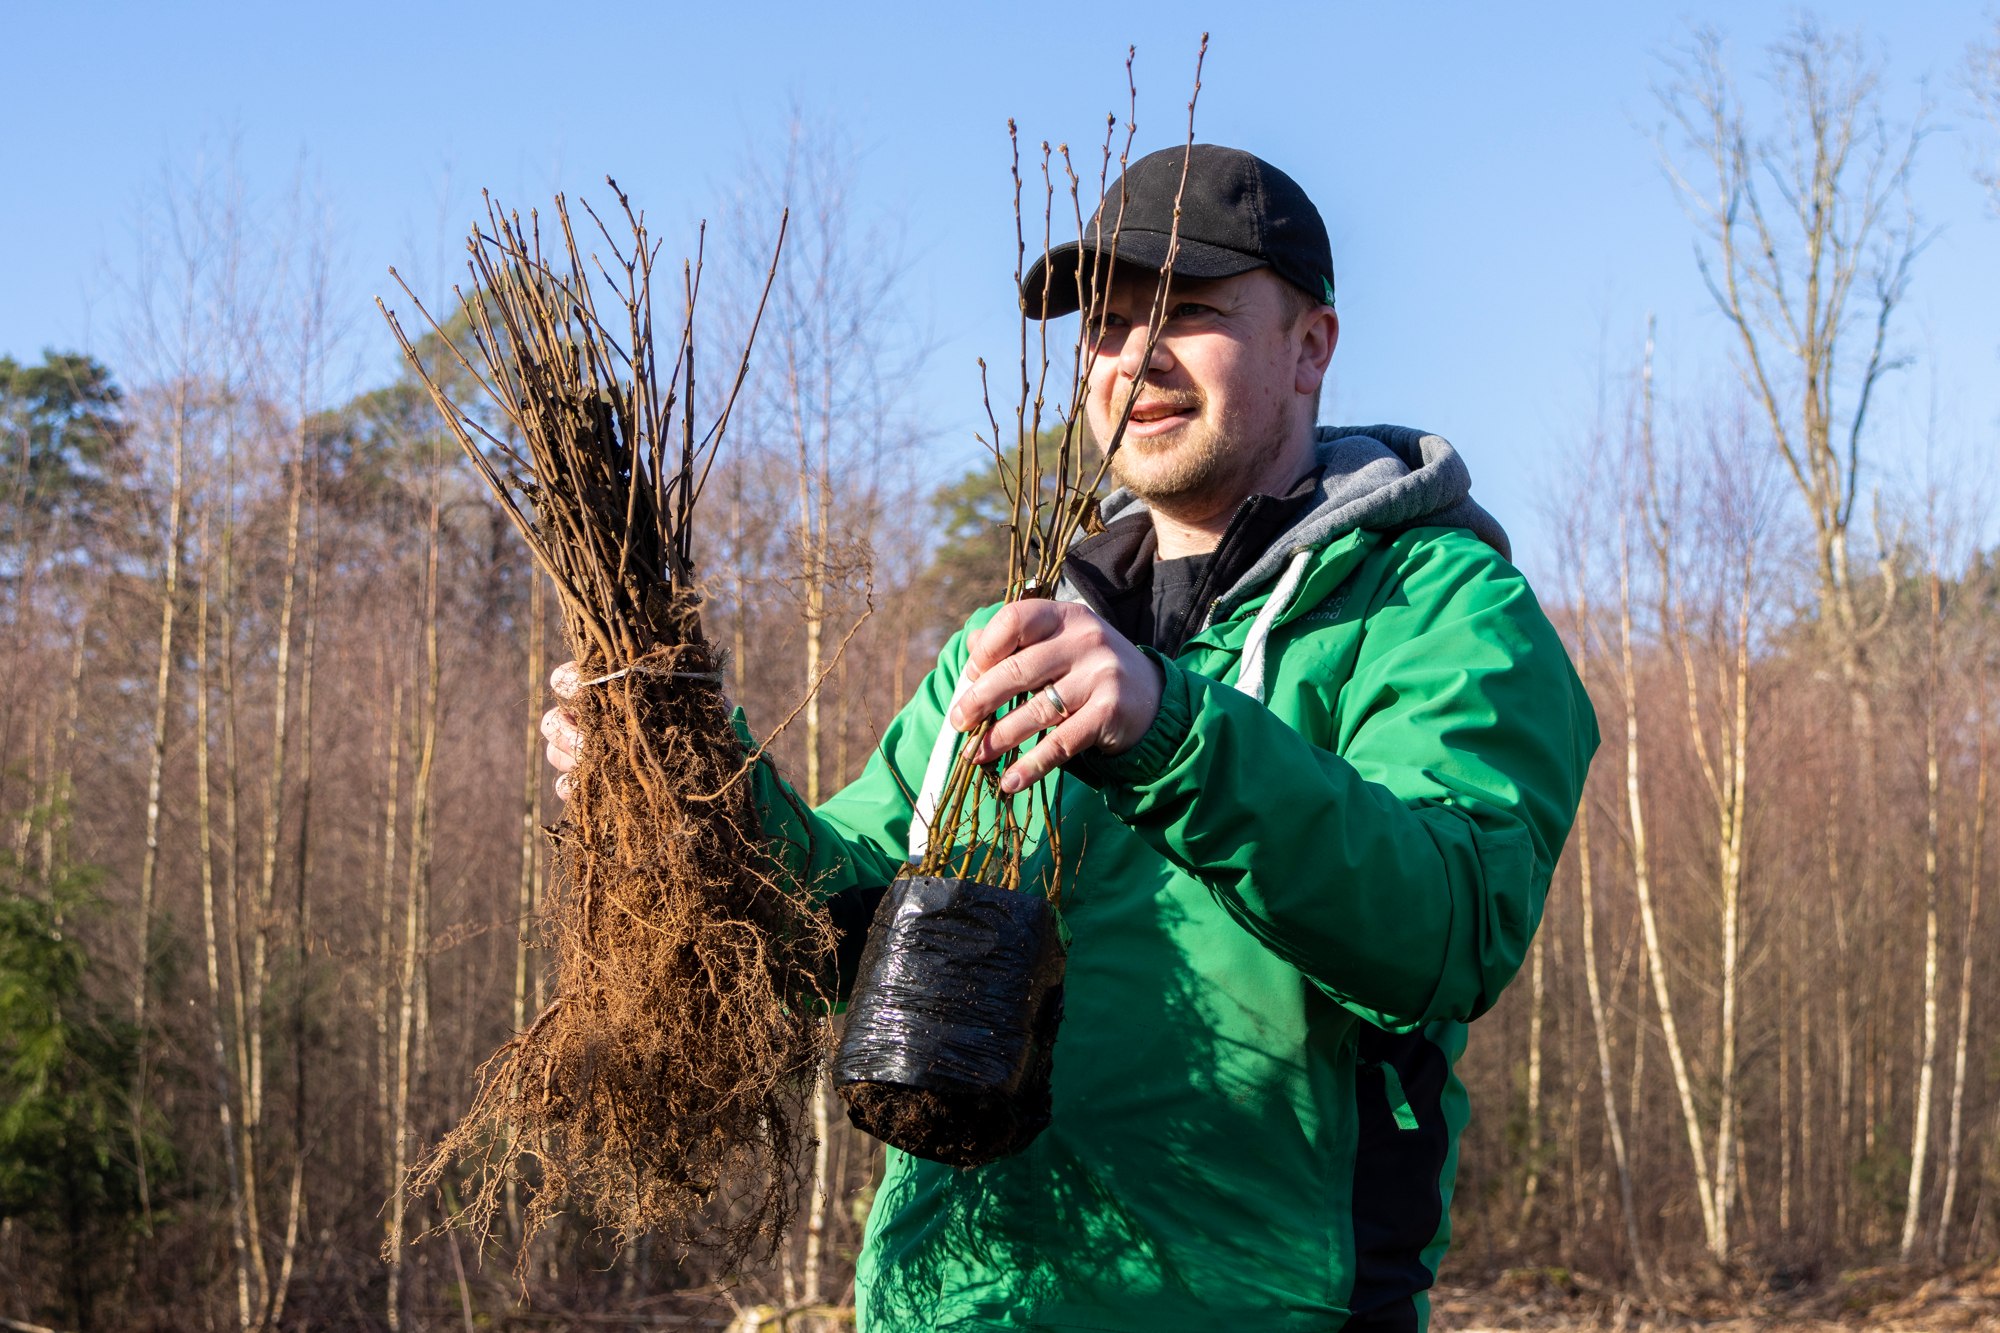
<point x="951" y="1027"/>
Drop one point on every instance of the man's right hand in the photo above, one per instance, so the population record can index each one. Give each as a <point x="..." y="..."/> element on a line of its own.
<point x="560" y="729"/>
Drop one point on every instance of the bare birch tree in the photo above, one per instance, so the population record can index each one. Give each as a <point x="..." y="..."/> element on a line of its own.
<point x="307" y="351"/>
<point x="1807" y="239"/>
<point x="183" y="279"/>
<point x="1641" y="850"/>
<point x="1974" y="883"/>
<point x="416" y="913"/>
<point x="240" y="1220"/>
<point x="1583" y="538"/>
<point x="1732" y="507"/>
<point x="1808" y="236"/>
<point x="1920" y="1133"/>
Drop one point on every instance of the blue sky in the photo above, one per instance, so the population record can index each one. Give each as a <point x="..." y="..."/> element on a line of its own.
<point x="1500" y="226"/>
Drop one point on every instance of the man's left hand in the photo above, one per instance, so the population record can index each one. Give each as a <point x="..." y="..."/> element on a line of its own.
<point x="1109" y="690"/>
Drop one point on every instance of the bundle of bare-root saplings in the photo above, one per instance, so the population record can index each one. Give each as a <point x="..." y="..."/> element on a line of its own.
<point x="663" y="1087"/>
<point x="950" y="1038"/>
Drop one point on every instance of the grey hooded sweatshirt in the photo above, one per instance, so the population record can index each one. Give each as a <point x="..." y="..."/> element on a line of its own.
<point x="1382" y="478"/>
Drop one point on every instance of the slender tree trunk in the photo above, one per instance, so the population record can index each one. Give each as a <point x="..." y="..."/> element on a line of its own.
<point x="385" y="924"/>
<point x="1844" y="1024"/>
<point x="1747" y="1197"/>
<point x="1573" y="1138"/>
<point x="1537" y="1003"/>
<point x="1642" y="880"/>
<point x="1642" y="870"/>
<point x="526" y="897"/>
<point x="1732" y="803"/>
<point x="1635" y="1093"/>
<point x="1810" y="1194"/>
<point x="1586" y="869"/>
<point x="1871" y="1071"/>
<point x="301" y="903"/>
<point x="225" y="1081"/>
<point x="815" y="528"/>
<point x="415" y="913"/>
<point x="1976" y="858"/>
<point x="1600" y="1030"/>
<point x="814" y="537"/>
<point x="274" y="792"/>
<point x="812" y="558"/>
<point x="247" y="1098"/>
<point x="739" y="627"/>
<point x="142" y="981"/>
<point x="417" y="909"/>
<point x="1785" y="1126"/>
<point x="842" y="722"/>
<point x="1920" y="1137"/>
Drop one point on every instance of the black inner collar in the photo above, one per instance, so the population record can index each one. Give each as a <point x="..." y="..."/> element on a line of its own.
<point x="1164" y="603"/>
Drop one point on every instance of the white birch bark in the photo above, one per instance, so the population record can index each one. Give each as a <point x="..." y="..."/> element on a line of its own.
<point x="274" y="791"/>
<point x="1975" y="871"/>
<point x="248" y="1143"/>
<point x="1537" y="1003"/>
<point x="301" y="915"/>
<point x="1642" y="881"/>
<point x="386" y="952"/>
<point x="1642" y="870"/>
<point x="225" y="1083"/>
<point x="526" y="902"/>
<point x="142" y="981"/>
<point x="1920" y="1134"/>
<point x="415" y="916"/>
<point x="1601" y="1032"/>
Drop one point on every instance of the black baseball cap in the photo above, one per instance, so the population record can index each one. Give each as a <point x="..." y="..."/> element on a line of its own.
<point x="1238" y="212"/>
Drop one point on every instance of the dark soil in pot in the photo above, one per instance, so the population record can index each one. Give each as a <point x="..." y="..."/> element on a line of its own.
<point x="951" y="1028"/>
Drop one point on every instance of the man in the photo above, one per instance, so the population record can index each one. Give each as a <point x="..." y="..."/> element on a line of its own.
<point x="1323" y="749"/>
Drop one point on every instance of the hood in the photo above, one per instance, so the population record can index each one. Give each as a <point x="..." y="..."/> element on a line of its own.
<point x="1383" y="478"/>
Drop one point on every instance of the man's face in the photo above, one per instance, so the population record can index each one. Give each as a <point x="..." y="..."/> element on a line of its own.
<point x="1221" y="398"/>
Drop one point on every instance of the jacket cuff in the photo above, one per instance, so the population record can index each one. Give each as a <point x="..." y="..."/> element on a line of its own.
<point x="1150" y="758"/>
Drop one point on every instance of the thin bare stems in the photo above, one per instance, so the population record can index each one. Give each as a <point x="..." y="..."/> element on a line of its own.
<point x="978" y="831"/>
<point x="595" y="415"/>
<point x="662" y="1086"/>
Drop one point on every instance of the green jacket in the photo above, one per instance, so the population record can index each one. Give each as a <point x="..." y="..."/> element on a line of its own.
<point x="1283" y="905"/>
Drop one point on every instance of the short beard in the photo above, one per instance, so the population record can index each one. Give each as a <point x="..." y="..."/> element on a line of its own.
<point x="1192" y="470"/>
<point x="1191" y="474"/>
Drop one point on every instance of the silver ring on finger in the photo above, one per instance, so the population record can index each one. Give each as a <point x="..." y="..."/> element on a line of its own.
<point x="1055" y="701"/>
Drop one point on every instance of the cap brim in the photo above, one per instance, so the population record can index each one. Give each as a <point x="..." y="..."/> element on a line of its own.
<point x="1051" y="287"/>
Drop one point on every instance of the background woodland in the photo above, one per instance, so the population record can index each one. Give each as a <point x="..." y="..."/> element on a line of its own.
<point x="273" y="664"/>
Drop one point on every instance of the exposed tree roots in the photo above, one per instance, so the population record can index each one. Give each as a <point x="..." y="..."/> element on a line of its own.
<point x="664" y="1088"/>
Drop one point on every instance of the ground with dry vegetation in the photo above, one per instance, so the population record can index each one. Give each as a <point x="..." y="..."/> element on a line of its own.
<point x="1886" y="1298"/>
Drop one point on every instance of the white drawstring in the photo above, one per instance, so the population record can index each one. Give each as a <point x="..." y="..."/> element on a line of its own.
<point x="1250" y="674"/>
<point x="1249" y="679"/>
<point x="943" y="750"/>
